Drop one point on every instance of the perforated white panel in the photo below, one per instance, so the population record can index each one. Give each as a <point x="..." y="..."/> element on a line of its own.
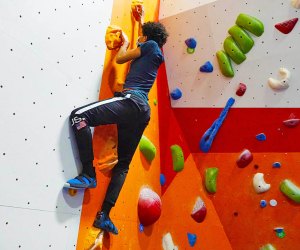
<point x="209" y="24"/>
<point x="51" y="60"/>
<point x="173" y="7"/>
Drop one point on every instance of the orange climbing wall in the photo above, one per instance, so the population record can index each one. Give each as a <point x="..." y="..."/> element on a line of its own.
<point x="177" y="205"/>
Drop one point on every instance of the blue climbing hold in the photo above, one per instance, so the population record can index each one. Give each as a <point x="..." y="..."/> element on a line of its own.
<point x="192" y="239"/>
<point x="279" y="229"/>
<point x="276" y="164"/>
<point x="141" y="228"/>
<point x="263" y="203"/>
<point x="209" y="135"/>
<point x="261" y="137"/>
<point x="191" y="43"/>
<point x="162" y="179"/>
<point x="207" y="67"/>
<point x="176" y="94"/>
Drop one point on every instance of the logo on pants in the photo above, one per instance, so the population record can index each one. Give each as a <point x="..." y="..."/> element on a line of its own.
<point x="79" y="122"/>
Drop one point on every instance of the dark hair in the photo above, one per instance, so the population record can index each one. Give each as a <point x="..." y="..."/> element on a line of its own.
<point x="155" y="31"/>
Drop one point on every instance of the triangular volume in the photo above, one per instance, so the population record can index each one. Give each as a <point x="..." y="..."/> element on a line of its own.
<point x="286" y="26"/>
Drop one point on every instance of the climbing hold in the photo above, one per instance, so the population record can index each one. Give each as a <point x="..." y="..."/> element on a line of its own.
<point x="233" y="51"/>
<point x="211" y="175"/>
<point x="207" y="67"/>
<point x="192" y="238"/>
<point x="268" y="247"/>
<point x="279" y="232"/>
<point x="190" y="50"/>
<point x="288" y="188"/>
<point x="72" y="191"/>
<point x="250" y="24"/>
<point x="199" y="211"/>
<point x="273" y="203"/>
<point x="149" y="206"/>
<point x="177" y="158"/>
<point x="291" y="122"/>
<point x="191" y="43"/>
<point x="259" y="183"/>
<point x="162" y="179"/>
<point x="155" y="102"/>
<point x="283" y="83"/>
<point x="136" y="8"/>
<point x="276" y="164"/>
<point x="241" y="37"/>
<point x="147" y="148"/>
<point x="296" y="4"/>
<point x="141" y="227"/>
<point x="261" y="137"/>
<point x="225" y="64"/>
<point x="209" y="135"/>
<point x="167" y="242"/>
<point x="176" y="94"/>
<point x="263" y="203"/>
<point x="278" y="229"/>
<point x="286" y="26"/>
<point x="281" y="235"/>
<point x="113" y="38"/>
<point x="244" y="158"/>
<point x="241" y="89"/>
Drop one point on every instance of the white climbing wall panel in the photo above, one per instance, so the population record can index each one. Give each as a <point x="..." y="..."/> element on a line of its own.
<point x="51" y="61"/>
<point x="208" y="24"/>
<point x="170" y="8"/>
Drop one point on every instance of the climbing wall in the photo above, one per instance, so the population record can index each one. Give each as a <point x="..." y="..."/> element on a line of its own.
<point x="175" y="203"/>
<point x="261" y="110"/>
<point x="209" y="24"/>
<point x="51" y="62"/>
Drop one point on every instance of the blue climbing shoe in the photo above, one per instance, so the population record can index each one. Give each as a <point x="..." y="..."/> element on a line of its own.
<point x="81" y="181"/>
<point x="103" y="222"/>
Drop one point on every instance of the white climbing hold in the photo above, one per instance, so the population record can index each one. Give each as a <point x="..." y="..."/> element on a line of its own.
<point x="283" y="82"/>
<point x="273" y="203"/>
<point x="259" y="183"/>
<point x="296" y="4"/>
<point x="167" y="242"/>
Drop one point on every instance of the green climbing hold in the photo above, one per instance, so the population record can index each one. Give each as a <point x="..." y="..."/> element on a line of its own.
<point x="177" y="157"/>
<point x="225" y="64"/>
<point x="281" y="235"/>
<point x="268" y="247"/>
<point x="288" y="188"/>
<point x="233" y="51"/>
<point x="241" y="37"/>
<point x="250" y="23"/>
<point x="211" y="179"/>
<point x="190" y="50"/>
<point x="147" y="148"/>
<point x="155" y="102"/>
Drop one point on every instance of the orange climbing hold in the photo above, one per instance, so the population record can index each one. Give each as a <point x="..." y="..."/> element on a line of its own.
<point x="113" y="38"/>
<point x="137" y="8"/>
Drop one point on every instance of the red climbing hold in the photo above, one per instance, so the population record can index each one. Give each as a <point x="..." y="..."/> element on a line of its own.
<point x="287" y="26"/>
<point x="291" y="122"/>
<point x="244" y="158"/>
<point x="199" y="210"/>
<point x="241" y="89"/>
<point x="149" y="206"/>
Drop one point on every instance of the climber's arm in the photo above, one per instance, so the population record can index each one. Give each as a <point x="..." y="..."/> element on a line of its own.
<point x="124" y="55"/>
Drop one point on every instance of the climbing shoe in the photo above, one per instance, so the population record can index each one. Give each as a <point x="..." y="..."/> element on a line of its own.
<point x="81" y="181"/>
<point x="103" y="222"/>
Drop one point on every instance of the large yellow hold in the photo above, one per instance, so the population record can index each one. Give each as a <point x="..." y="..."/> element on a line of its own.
<point x="113" y="38"/>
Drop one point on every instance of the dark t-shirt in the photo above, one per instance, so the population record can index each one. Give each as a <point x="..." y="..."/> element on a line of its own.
<point x="143" y="70"/>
